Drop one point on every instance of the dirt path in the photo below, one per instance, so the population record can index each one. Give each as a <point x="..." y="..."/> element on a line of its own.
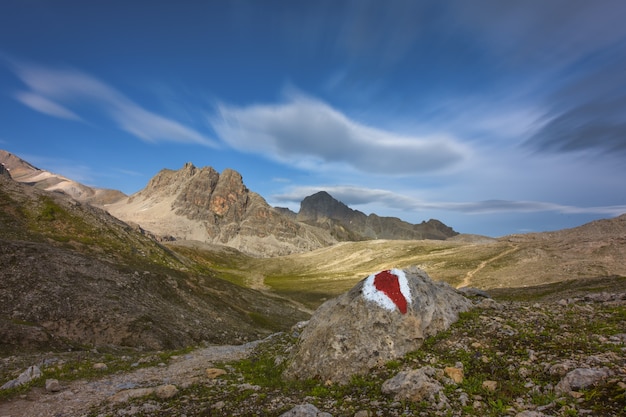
<point x="468" y="277"/>
<point x="77" y="397"/>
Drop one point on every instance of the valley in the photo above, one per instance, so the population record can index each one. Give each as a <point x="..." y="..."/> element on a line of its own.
<point x="80" y="287"/>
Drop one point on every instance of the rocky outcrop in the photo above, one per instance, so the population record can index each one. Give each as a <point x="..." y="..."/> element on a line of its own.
<point x="201" y="204"/>
<point x="383" y="317"/>
<point x="346" y="224"/>
<point x="4" y="172"/>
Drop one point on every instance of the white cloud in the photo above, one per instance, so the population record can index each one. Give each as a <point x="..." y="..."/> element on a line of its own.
<point x="355" y="195"/>
<point x="49" y="87"/>
<point x="306" y="132"/>
<point x="42" y="104"/>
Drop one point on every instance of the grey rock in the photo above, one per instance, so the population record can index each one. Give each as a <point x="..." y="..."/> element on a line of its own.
<point x="33" y="372"/>
<point x="582" y="378"/>
<point x="350" y="334"/>
<point x="413" y="385"/>
<point x="52" y="385"/>
<point x="528" y="413"/>
<point x="305" y="410"/>
<point x="166" y="391"/>
<point x="4" y="172"/>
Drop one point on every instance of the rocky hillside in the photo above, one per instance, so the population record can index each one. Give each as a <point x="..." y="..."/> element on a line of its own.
<point x="74" y="276"/>
<point x="24" y="172"/>
<point x="547" y="357"/>
<point x="346" y="224"/>
<point x="201" y="204"/>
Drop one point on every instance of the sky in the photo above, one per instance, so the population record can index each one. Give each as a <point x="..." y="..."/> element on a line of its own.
<point x="494" y="117"/>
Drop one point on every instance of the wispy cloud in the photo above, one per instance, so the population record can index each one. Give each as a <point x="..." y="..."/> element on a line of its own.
<point x="42" y="104"/>
<point x="306" y="132"/>
<point x="354" y="196"/>
<point x="56" y="92"/>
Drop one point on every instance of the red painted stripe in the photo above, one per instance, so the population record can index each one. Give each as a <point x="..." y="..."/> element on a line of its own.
<point x="389" y="284"/>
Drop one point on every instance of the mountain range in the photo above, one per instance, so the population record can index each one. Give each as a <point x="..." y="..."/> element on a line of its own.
<point x="74" y="275"/>
<point x="201" y="204"/>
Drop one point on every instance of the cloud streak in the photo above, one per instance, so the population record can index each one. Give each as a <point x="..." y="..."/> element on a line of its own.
<point x="305" y="132"/>
<point x="55" y="92"/>
<point x="354" y="195"/>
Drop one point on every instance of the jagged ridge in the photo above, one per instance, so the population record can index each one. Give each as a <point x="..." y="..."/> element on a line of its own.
<point x="322" y="210"/>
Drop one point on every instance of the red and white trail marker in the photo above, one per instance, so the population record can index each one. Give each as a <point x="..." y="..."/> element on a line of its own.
<point x="389" y="289"/>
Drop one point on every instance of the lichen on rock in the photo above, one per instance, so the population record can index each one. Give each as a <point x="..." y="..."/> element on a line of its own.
<point x="357" y="331"/>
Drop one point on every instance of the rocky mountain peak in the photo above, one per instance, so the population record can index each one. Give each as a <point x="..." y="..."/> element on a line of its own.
<point x="202" y="204"/>
<point x="323" y="210"/>
<point x="323" y="205"/>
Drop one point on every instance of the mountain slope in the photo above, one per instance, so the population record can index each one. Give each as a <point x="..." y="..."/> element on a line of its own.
<point x="73" y="276"/>
<point x="24" y="172"/>
<point x="346" y="224"/>
<point x="201" y="204"/>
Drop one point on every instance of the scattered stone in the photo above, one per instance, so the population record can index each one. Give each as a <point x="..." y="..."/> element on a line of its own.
<point x="362" y="413"/>
<point x="33" y="372"/>
<point x="126" y="395"/>
<point x="490" y="303"/>
<point x="490" y="385"/>
<point x="52" y="385"/>
<point x="383" y="317"/>
<point x="166" y="391"/>
<point x="213" y="373"/>
<point x="528" y="413"/>
<point x="100" y="366"/>
<point x="305" y="410"/>
<point x="413" y="385"/>
<point x="582" y="378"/>
<point x="562" y="368"/>
<point x="455" y="374"/>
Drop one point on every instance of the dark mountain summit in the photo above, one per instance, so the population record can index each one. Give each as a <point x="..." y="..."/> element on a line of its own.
<point x="322" y="210"/>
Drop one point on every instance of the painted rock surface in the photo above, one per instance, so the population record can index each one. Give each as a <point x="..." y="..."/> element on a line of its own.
<point x="383" y="317"/>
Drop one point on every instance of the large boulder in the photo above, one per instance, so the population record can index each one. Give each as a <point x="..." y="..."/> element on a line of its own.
<point x="383" y="317"/>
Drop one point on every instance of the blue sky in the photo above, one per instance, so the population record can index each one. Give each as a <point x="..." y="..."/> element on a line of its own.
<point x="493" y="117"/>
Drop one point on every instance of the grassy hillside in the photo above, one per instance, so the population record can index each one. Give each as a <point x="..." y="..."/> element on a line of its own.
<point x="588" y="252"/>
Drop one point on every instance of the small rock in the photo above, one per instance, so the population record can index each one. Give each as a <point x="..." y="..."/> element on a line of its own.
<point x="305" y="410"/>
<point x="581" y="378"/>
<point x="218" y="405"/>
<point x="166" y="391"/>
<point x="362" y="413"/>
<point x="490" y="304"/>
<point x="562" y="368"/>
<point x="213" y="373"/>
<point x="528" y="413"/>
<point x="33" y="372"/>
<point x="100" y="366"/>
<point x="490" y="385"/>
<point x="126" y="395"/>
<point x="413" y="385"/>
<point x="52" y="385"/>
<point x="454" y="374"/>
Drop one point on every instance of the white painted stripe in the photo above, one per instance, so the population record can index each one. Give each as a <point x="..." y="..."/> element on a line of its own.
<point x="371" y="293"/>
